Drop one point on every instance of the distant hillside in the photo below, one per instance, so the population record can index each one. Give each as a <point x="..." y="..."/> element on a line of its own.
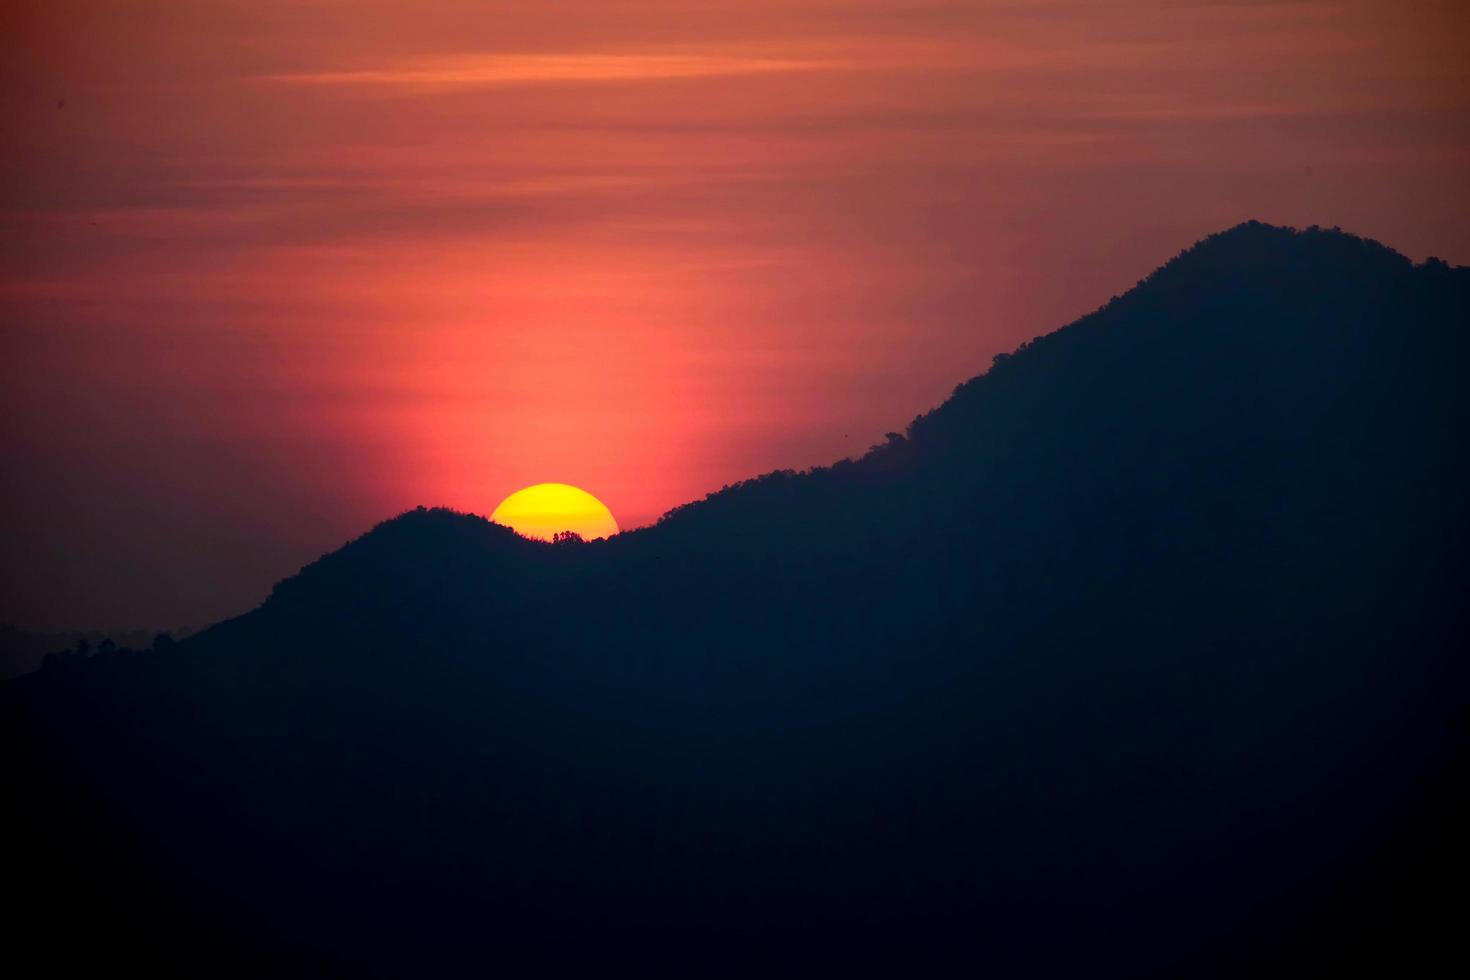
<point x="1140" y="655"/>
<point x="22" y="651"/>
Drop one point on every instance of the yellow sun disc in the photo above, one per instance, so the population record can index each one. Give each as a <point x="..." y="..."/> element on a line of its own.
<point x="550" y="508"/>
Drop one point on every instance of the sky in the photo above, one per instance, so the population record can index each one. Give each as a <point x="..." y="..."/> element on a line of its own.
<point x="272" y="272"/>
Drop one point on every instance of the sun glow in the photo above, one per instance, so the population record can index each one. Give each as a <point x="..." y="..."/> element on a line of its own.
<point x="546" y="509"/>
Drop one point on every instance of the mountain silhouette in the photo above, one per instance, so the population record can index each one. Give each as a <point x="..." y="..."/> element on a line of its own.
<point x="1142" y="654"/>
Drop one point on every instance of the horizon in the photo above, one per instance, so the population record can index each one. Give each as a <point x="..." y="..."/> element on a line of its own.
<point x="273" y="273"/>
<point x="540" y="536"/>
<point x="184" y="627"/>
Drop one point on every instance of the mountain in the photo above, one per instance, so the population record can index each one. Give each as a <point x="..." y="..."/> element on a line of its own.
<point x="1142" y="654"/>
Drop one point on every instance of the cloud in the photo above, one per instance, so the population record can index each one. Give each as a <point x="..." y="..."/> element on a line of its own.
<point x="474" y="71"/>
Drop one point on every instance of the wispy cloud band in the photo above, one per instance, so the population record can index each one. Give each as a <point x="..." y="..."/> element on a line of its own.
<point x="487" y="70"/>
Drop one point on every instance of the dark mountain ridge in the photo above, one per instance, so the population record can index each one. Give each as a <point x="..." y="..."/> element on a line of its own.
<point x="1140" y="653"/>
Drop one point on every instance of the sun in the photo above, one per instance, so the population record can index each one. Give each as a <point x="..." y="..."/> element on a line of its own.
<point x="548" y="508"/>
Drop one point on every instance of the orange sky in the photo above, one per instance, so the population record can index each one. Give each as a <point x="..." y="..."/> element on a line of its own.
<point x="278" y="270"/>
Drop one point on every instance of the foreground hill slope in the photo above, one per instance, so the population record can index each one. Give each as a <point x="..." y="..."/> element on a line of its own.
<point x="1141" y="653"/>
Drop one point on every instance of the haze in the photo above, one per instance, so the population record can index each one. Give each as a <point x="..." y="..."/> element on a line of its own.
<point x="273" y="272"/>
